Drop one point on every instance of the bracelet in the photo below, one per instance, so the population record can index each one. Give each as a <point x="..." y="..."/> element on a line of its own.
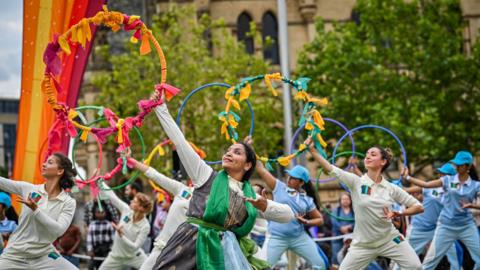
<point x="408" y="177"/>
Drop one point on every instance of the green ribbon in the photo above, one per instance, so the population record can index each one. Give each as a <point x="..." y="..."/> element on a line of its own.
<point x="208" y="247"/>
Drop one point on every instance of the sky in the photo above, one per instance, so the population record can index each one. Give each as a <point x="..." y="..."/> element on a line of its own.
<point x="11" y="12"/>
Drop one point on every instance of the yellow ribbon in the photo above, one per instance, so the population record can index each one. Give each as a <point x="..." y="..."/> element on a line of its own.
<point x="119" y="126"/>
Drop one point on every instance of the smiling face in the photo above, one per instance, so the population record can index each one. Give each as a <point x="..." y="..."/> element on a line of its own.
<point x="50" y="167"/>
<point x="235" y="159"/>
<point x="374" y="160"/>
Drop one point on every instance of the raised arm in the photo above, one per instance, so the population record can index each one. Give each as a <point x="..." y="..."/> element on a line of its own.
<point x="266" y="176"/>
<point x="422" y="183"/>
<point x="277" y="212"/>
<point x="172" y="186"/>
<point x="196" y="168"/>
<point x="14" y="187"/>
<point x="116" y="201"/>
<point x="402" y="197"/>
<point x="413" y="189"/>
<point x="57" y="228"/>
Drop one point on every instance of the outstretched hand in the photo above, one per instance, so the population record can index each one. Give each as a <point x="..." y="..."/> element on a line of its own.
<point x="309" y="143"/>
<point x="388" y="214"/>
<point x="28" y="202"/>
<point x="248" y="141"/>
<point x="260" y="202"/>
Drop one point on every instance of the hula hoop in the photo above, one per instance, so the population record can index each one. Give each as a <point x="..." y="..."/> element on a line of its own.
<point x="184" y="103"/>
<point x="402" y="148"/>
<point x="75" y="142"/>
<point x="300" y="129"/>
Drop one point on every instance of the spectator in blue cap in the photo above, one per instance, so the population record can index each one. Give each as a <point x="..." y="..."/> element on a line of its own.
<point x="455" y="221"/>
<point x="6" y="226"/>
<point x="292" y="236"/>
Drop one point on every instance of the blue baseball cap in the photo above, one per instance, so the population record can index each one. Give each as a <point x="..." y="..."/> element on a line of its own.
<point x="462" y="158"/>
<point x="447" y="169"/>
<point x="299" y="172"/>
<point x="5" y="199"/>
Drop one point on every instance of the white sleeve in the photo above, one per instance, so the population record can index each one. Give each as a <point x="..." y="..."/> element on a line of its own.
<point x="277" y="212"/>
<point x="347" y="178"/>
<point x="173" y="186"/>
<point x="140" y="239"/>
<point x="116" y="201"/>
<point x="403" y="198"/>
<point x="14" y="187"/>
<point x="57" y="227"/>
<point x="196" y="168"/>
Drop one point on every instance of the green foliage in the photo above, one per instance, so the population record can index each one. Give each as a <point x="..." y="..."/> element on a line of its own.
<point x="404" y="67"/>
<point x="198" y="50"/>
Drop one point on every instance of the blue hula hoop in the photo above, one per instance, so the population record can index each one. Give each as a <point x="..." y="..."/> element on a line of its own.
<point x="184" y="103"/>
<point x="300" y="129"/>
<point x="402" y="148"/>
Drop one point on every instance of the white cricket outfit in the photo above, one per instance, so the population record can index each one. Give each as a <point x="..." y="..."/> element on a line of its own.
<point x="176" y="213"/>
<point x="126" y="250"/>
<point x="373" y="235"/>
<point x="30" y="245"/>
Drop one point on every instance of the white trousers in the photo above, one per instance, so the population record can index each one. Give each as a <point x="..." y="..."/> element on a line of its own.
<point x="112" y="262"/>
<point x="402" y="253"/>
<point x="152" y="258"/>
<point x="45" y="263"/>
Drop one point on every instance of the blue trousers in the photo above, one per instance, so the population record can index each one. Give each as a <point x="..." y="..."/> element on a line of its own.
<point x="443" y="239"/>
<point x="419" y="239"/>
<point x="303" y="246"/>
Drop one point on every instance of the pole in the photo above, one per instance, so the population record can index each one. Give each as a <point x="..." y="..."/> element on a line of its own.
<point x="285" y="69"/>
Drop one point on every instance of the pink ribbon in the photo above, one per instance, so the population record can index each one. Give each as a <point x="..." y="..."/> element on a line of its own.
<point x="50" y="57"/>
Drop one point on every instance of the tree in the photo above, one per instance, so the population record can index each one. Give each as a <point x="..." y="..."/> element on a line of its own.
<point x="198" y="50"/>
<point x="403" y="66"/>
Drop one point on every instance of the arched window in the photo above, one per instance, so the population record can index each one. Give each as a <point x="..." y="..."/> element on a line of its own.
<point x="270" y="29"/>
<point x="243" y="28"/>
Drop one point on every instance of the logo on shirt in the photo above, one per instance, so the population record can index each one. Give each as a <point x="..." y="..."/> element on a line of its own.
<point x="398" y="239"/>
<point x="35" y="196"/>
<point x="53" y="255"/>
<point x="454" y="185"/>
<point x="366" y="190"/>
<point x="126" y="219"/>
<point x="186" y="195"/>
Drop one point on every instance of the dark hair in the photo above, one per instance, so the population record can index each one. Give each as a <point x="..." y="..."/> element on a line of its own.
<point x="252" y="158"/>
<point x="312" y="193"/>
<point x="104" y="208"/>
<point x="473" y="172"/>
<point x="136" y="186"/>
<point x="66" y="181"/>
<point x="349" y="196"/>
<point x="386" y="155"/>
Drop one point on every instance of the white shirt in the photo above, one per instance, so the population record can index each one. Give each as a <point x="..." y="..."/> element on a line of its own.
<point x="369" y="199"/>
<point x="177" y="214"/>
<point x="38" y="229"/>
<point x="200" y="172"/>
<point x="134" y="233"/>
